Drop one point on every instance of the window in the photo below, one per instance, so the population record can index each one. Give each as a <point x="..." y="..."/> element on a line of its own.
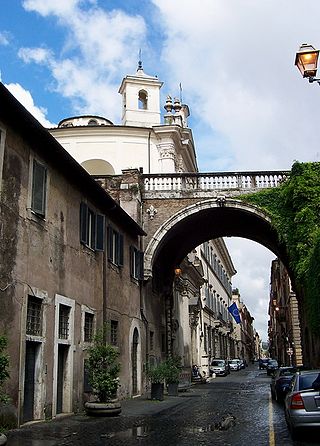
<point x="91" y="228"/>
<point x="136" y="263"/>
<point x="115" y="246"/>
<point x="64" y="313"/>
<point x="34" y="316"/>
<point x="114" y="332"/>
<point x="39" y="185"/>
<point x="143" y="100"/>
<point x="88" y="327"/>
<point x="151" y="340"/>
<point x="92" y="122"/>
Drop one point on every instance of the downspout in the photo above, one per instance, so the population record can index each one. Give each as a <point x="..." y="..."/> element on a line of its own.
<point x="149" y="152"/>
<point x="104" y="284"/>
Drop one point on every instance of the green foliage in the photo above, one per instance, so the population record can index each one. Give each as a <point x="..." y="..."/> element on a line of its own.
<point x="156" y="374"/>
<point x="103" y="368"/>
<point x="294" y="209"/>
<point x="4" y="366"/>
<point x="172" y="368"/>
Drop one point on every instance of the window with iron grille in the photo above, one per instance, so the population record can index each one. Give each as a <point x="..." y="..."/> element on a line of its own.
<point x="64" y="314"/>
<point x="114" y="332"/>
<point x="34" y="316"/>
<point x="88" y="327"/>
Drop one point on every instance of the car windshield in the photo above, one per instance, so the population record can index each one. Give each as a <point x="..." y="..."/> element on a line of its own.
<point x="287" y="372"/>
<point x="233" y="361"/>
<point x="273" y="362"/>
<point x="217" y="363"/>
<point x="306" y="381"/>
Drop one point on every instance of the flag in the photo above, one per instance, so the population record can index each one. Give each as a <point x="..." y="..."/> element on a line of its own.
<point x="233" y="309"/>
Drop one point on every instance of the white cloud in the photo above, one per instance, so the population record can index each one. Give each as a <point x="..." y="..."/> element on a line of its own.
<point x="37" y="55"/>
<point x="25" y="98"/>
<point x="4" y="38"/>
<point x="106" y="45"/>
<point x="253" y="264"/>
<point x="235" y="60"/>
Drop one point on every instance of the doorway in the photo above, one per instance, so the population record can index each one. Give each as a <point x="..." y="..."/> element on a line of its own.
<point x="32" y="352"/>
<point x="62" y="373"/>
<point x="134" y="362"/>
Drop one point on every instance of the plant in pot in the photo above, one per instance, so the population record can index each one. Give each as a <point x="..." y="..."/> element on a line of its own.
<point x="156" y="375"/>
<point x="103" y="372"/>
<point x="4" y="374"/>
<point x="172" y="369"/>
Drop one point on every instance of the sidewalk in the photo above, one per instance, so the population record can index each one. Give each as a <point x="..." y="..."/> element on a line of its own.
<point x="79" y="428"/>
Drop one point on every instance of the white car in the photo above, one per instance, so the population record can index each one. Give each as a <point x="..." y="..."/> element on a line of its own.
<point x="234" y="364"/>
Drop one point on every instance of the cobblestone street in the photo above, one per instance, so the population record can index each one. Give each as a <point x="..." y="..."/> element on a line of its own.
<point x="226" y="411"/>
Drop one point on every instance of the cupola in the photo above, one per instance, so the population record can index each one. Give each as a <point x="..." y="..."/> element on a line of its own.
<point x="140" y="99"/>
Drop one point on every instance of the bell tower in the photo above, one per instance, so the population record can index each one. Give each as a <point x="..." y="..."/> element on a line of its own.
<point x="140" y="99"/>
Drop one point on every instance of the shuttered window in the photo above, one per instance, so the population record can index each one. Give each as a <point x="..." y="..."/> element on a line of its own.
<point x="136" y="263"/>
<point x="91" y="228"/>
<point x="115" y="246"/>
<point x="39" y="186"/>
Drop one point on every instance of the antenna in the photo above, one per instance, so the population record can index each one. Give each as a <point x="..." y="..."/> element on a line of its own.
<point x="140" y="61"/>
<point x="180" y="89"/>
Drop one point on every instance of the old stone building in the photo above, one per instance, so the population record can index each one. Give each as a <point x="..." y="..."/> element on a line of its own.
<point x="284" y="324"/>
<point x="69" y="263"/>
<point x="144" y="143"/>
<point x="244" y="332"/>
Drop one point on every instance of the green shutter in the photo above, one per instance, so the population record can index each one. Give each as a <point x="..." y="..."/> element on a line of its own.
<point x="84" y="223"/>
<point x="99" y="232"/>
<point x="39" y="185"/>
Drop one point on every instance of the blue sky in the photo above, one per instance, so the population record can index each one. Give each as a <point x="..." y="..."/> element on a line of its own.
<point x="250" y="108"/>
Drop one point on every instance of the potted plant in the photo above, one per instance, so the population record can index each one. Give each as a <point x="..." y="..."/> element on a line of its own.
<point x="156" y="375"/>
<point x="4" y="374"/>
<point x="172" y="369"/>
<point x="103" y="373"/>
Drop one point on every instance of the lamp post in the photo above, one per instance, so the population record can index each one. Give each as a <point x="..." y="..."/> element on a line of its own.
<point x="306" y="61"/>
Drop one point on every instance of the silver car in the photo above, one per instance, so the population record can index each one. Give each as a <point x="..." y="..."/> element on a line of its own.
<point x="302" y="402"/>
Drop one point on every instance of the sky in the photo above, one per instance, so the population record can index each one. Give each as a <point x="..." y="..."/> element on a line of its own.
<point x="250" y="107"/>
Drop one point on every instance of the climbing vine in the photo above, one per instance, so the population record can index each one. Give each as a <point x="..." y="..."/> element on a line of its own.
<point x="294" y="209"/>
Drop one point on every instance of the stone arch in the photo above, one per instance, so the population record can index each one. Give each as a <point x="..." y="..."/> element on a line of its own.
<point x="98" y="167"/>
<point x="202" y="221"/>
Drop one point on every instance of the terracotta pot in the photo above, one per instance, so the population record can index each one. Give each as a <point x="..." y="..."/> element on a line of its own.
<point x="107" y="409"/>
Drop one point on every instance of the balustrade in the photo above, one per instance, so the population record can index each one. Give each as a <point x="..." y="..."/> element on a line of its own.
<point x="213" y="181"/>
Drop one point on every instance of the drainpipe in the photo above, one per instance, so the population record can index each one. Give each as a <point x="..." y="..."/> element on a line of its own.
<point x="149" y="152"/>
<point x="104" y="284"/>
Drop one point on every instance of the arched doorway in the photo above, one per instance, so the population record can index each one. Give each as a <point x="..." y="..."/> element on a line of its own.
<point x="134" y="362"/>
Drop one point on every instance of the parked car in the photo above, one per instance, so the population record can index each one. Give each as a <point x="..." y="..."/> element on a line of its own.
<point x="220" y="367"/>
<point x="263" y="362"/>
<point x="243" y="363"/>
<point x="280" y="382"/>
<point x="302" y="402"/>
<point x="234" y="364"/>
<point x="272" y="366"/>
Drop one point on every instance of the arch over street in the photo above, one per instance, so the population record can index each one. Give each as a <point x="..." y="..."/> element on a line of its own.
<point x="202" y="221"/>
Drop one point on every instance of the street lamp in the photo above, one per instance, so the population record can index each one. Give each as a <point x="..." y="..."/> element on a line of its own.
<point x="307" y="61"/>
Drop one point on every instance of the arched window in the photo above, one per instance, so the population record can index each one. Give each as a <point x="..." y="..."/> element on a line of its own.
<point x="143" y="100"/>
<point x="93" y="122"/>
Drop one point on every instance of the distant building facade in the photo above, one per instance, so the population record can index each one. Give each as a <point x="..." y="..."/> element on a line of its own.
<point x="284" y="324"/>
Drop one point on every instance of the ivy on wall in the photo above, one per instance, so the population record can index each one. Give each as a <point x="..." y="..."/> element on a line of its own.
<point x="294" y="209"/>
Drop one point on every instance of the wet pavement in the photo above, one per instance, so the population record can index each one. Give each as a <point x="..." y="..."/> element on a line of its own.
<point x="234" y="410"/>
